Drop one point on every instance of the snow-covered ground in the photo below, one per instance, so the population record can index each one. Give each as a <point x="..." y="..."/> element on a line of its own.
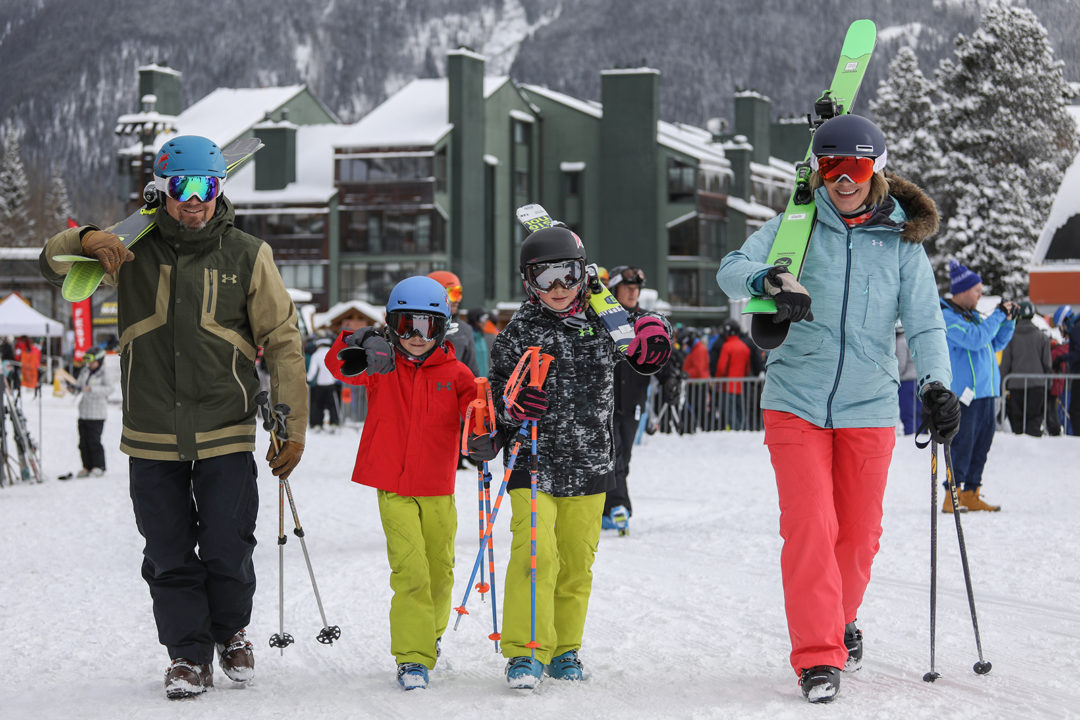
<point x="686" y="618"/>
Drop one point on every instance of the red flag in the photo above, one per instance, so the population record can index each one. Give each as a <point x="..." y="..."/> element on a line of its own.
<point x="80" y="319"/>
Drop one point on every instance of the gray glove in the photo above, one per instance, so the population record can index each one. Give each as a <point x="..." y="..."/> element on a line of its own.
<point x="366" y="351"/>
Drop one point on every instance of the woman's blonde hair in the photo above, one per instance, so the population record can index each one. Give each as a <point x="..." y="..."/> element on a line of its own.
<point x="879" y="187"/>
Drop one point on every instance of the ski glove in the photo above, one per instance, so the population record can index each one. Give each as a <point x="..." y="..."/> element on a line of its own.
<point x="107" y="249"/>
<point x="792" y="299"/>
<point x="651" y="346"/>
<point x="366" y="350"/>
<point x="286" y="460"/>
<point x="941" y="412"/>
<point x="482" y="448"/>
<point x="531" y="404"/>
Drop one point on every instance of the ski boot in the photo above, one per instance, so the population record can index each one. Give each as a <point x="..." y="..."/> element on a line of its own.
<point x="524" y="672"/>
<point x="565" y="667"/>
<point x="237" y="658"/>
<point x="411" y="676"/>
<point x="185" y="679"/>
<point x="620" y="518"/>
<point x="853" y="643"/>
<point x="820" y="684"/>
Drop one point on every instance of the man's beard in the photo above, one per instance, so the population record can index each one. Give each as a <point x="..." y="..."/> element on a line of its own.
<point x="185" y="227"/>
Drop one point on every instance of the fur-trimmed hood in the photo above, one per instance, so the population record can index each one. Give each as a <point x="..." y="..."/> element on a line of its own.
<point x="923" y="218"/>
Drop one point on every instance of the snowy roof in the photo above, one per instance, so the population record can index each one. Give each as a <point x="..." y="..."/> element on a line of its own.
<point x="416" y="115"/>
<point x="1066" y="202"/>
<point x="325" y="319"/>
<point x="750" y="209"/>
<point x="314" y="171"/>
<point x="587" y="107"/>
<point x="227" y="113"/>
<point x="19" y="253"/>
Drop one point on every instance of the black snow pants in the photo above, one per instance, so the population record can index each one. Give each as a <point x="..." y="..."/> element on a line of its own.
<point x="624" y="430"/>
<point x="198" y="519"/>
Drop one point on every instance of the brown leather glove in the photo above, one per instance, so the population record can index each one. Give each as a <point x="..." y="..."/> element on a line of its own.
<point x="286" y="460"/>
<point x="107" y="249"/>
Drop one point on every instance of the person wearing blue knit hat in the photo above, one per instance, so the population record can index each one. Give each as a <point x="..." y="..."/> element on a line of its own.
<point x="973" y="341"/>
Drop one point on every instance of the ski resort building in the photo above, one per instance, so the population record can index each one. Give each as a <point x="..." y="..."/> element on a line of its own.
<point x="1054" y="277"/>
<point x="430" y="179"/>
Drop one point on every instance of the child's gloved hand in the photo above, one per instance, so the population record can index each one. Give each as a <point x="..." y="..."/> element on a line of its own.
<point x="482" y="448"/>
<point x="366" y="351"/>
<point x="651" y="346"/>
<point x="531" y="404"/>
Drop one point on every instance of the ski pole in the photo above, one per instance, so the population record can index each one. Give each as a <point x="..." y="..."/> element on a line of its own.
<point x="982" y="667"/>
<point x="932" y="676"/>
<point x="537" y="372"/>
<point x="280" y="639"/>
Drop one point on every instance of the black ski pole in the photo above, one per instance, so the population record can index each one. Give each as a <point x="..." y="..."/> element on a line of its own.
<point x="982" y="666"/>
<point x="932" y="676"/>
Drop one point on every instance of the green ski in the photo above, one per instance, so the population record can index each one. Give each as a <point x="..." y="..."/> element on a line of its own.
<point x="793" y="236"/>
<point x="86" y="273"/>
<point x="616" y="320"/>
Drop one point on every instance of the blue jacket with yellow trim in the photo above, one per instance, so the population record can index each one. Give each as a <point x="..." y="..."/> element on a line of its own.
<point x="973" y="340"/>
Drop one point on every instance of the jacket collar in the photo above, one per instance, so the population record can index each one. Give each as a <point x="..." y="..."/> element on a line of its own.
<point x="195" y="240"/>
<point x="907" y="209"/>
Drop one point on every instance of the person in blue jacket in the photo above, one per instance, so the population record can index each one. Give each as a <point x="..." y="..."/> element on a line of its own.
<point x="829" y="400"/>
<point x="973" y="342"/>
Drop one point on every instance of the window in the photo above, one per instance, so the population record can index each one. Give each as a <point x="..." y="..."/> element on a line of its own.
<point x="385" y="169"/>
<point x="372" y="282"/>
<point x="684" y="287"/>
<point x="303" y="276"/>
<point x="682" y="180"/>
<point x="573" y="184"/>
<point x="393" y="232"/>
<point x="521" y="182"/>
<point x="684" y="238"/>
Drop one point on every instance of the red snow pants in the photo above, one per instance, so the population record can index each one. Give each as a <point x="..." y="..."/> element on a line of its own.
<point x="830" y="484"/>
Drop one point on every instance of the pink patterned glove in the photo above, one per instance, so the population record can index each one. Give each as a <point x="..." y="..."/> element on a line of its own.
<point x="651" y="346"/>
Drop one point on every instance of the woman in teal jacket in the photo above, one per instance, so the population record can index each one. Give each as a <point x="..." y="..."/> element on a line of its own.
<point x="830" y="390"/>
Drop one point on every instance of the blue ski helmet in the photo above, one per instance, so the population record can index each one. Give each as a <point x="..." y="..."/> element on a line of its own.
<point x="849" y="136"/>
<point x="190" y="155"/>
<point x="1063" y="316"/>
<point x="419" y="294"/>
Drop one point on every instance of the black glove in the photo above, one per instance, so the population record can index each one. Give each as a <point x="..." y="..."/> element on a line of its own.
<point x="531" y="404"/>
<point x="1010" y="309"/>
<point x="792" y="299"/>
<point x="366" y="350"/>
<point x="940" y="411"/>
<point x="482" y="448"/>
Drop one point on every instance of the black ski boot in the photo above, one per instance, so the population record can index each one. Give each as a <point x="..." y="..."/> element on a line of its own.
<point x="821" y="683"/>
<point x="853" y="643"/>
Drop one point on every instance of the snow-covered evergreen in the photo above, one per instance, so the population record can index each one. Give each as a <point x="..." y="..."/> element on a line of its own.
<point x="16" y="221"/>
<point x="57" y="208"/>
<point x="1006" y="139"/>
<point x="904" y="110"/>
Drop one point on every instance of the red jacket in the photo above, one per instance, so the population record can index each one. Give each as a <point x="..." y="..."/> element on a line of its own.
<point x="412" y="435"/>
<point x="696" y="364"/>
<point x="734" y="362"/>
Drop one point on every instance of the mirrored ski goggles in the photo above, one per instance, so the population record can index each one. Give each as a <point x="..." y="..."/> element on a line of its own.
<point x="184" y="187"/>
<point x="543" y="276"/>
<point x="405" y="324"/>
<point x="631" y="276"/>
<point x="453" y="293"/>
<point x="857" y="169"/>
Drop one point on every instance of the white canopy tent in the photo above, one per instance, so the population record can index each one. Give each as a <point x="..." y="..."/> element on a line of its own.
<point x="18" y="318"/>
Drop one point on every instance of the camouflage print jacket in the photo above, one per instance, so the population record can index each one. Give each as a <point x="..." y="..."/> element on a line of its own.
<point x="576" y="455"/>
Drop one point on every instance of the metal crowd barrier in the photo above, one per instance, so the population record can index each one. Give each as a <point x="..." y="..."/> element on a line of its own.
<point x="1047" y="397"/>
<point x="709" y="405"/>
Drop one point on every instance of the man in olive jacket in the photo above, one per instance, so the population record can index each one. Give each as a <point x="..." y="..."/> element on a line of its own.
<point x="194" y="304"/>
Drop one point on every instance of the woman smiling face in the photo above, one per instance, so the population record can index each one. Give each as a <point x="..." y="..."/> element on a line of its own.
<point x="846" y="195"/>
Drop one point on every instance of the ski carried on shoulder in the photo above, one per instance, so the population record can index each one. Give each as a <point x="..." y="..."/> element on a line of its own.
<point x="616" y="320"/>
<point x="86" y="273"/>
<point x="793" y="237"/>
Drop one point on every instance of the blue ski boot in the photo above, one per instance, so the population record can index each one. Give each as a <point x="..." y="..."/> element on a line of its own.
<point x="412" y="675"/>
<point x="524" y="672"/>
<point x="565" y="667"/>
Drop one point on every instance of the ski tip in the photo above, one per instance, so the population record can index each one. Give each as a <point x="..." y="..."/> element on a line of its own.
<point x="766" y="334"/>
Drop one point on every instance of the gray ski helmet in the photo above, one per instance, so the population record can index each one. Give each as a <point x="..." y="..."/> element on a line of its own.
<point x="849" y="136"/>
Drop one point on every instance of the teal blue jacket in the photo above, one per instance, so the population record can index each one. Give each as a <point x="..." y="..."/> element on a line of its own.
<point x="840" y="370"/>
<point x="973" y="342"/>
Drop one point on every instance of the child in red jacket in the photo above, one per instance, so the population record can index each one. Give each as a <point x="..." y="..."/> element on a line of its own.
<point x="417" y="391"/>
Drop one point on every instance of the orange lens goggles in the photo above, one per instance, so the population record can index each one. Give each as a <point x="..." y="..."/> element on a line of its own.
<point x="453" y="292"/>
<point x="834" y="167"/>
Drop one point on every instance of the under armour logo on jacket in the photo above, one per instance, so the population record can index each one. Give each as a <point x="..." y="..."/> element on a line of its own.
<point x="588" y="330"/>
<point x="880" y="243"/>
<point x="228" y="278"/>
<point x="443" y="386"/>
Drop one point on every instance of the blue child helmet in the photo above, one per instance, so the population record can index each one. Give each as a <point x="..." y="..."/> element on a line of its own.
<point x="1062" y="316"/>
<point x="419" y="294"/>
<point x="190" y="155"/>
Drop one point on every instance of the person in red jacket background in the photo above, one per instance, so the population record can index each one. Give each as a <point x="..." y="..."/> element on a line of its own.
<point x="417" y="392"/>
<point x="734" y="362"/>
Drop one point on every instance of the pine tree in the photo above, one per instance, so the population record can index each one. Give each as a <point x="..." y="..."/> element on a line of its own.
<point x="904" y="111"/>
<point x="16" y="223"/>
<point x="1006" y="139"/>
<point x="58" y="208"/>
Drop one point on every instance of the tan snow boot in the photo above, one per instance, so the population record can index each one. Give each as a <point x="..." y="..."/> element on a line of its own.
<point x="971" y="500"/>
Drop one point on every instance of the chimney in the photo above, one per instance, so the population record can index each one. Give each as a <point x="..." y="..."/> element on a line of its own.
<point x="163" y="83"/>
<point x="275" y="166"/>
<point x="752" y="111"/>
<point x="739" y="153"/>
<point x="465" y="75"/>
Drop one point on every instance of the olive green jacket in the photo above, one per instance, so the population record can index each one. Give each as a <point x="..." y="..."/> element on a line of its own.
<point x="192" y="310"/>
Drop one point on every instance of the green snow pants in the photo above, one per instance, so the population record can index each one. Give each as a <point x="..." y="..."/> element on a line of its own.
<point x="567" y="534"/>
<point x="420" y="547"/>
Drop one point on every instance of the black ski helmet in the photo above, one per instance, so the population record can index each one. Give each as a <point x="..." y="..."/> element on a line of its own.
<point x="551" y="243"/>
<point x="1027" y="309"/>
<point x="850" y="136"/>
